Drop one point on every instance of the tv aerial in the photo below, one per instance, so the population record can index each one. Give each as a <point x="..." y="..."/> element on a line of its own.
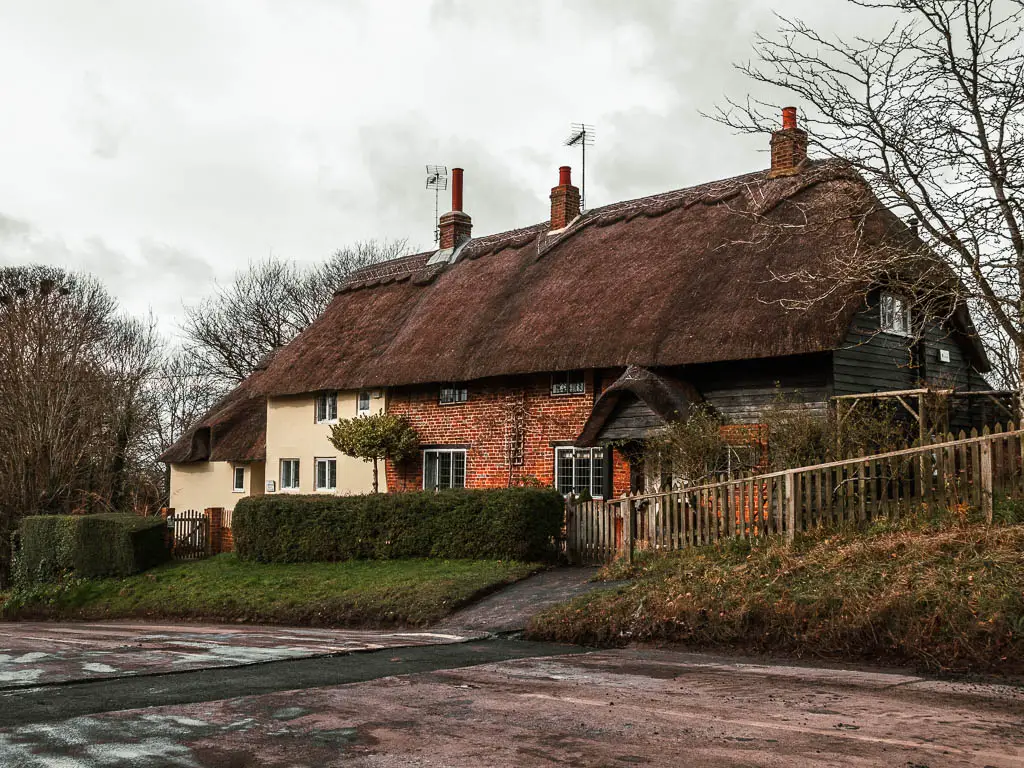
<point x="582" y="135"/>
<point x="437" y="180"/>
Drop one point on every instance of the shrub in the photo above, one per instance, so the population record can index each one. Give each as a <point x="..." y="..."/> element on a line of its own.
<point x="513" y="523"/>
<point x="53" y="546"/>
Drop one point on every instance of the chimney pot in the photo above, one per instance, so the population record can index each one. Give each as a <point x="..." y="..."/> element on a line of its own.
<point x="565" y="176"/>
<point x="789" y="118"/>
<point x="456" y="189"/>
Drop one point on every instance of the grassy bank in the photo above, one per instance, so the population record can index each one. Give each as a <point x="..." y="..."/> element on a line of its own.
<point x="223" y="588"/>
<point x="944" y="596"/>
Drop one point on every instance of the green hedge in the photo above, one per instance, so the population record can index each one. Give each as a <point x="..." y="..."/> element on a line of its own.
<point x="89" y="545"/>
<point x="513" y="523"/>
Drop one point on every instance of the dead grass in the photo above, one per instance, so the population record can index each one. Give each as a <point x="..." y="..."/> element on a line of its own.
<point x="944" y="595"/>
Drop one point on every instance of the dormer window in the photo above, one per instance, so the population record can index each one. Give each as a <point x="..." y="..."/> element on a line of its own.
<point x="895" y="314"/>
<point x="453" y="393"/>
<point x="568" y="383"/>
<point x="327" y="408"/>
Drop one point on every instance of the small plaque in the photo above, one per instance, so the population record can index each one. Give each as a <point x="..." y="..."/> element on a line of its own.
<point x="271" y="486"/>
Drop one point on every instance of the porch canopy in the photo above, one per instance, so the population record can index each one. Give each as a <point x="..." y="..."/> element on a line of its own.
<point x="639" y="402"/>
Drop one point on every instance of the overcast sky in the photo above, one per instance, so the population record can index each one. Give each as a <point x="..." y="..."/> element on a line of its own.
<point x="163" y="144"/>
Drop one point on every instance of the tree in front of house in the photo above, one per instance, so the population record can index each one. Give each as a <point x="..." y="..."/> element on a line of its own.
<point x="378" y="437"/>
<point x="931" y="114"/>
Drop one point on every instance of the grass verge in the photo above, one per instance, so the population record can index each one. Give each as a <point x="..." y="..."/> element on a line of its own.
<point x="941" y="595"/>
<point x="366" y="593"/>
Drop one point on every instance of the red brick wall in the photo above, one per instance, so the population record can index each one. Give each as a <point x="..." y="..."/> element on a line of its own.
<point x="485" y="425"/>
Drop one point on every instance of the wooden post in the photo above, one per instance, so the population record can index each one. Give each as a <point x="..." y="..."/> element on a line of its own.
<point x="790" y="506"/>
<point x="986" y="479"/>
<point x="628" y="523"/>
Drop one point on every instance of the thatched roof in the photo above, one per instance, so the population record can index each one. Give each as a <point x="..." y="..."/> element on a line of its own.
<point x="677" y="278"/>
<point x="668" y="398"/>
<point x="234" y="429"/>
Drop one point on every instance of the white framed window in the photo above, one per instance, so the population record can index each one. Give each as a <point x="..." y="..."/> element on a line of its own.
<point x="580" y="469"/>
<point x="326" y="474"/>
<point x="444" y="468"/>
<point x="238" y="480"/>
<point x="895" y="314"/>
<point x="453" y="393"/>
<point x="289" y="474"/>
<point x="568" y="383"/>
<point x="363" y="403"/>
<point x="327" y="408"/>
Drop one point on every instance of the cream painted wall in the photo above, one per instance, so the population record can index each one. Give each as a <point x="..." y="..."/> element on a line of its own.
<point x="209" y="484"/>
<point x="292" y="433"/>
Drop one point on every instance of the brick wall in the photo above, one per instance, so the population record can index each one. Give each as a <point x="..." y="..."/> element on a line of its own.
<point x="515" y="415"/>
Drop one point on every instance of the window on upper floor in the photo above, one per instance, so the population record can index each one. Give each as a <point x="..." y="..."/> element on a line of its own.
<point x="326" y="474"/>
<point x="363" y="403"/>
<point x="289" y="474"/>
<point x="238" y="485"/>
<point x="580" y="469"/>
<point x="568" y="383"/>
<point x="453" y="393"/>
<point x="895" y="314"/>
<point x="327" y="408"/>
<point x="444" y="468"/>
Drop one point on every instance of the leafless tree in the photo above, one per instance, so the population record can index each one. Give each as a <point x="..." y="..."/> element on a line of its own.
<point x="74" y="411"/>
<point x="267" y="305"/>
<point x="931" y="114"/>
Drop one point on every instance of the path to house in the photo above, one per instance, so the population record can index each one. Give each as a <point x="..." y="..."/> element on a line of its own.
<point x="503" y="702"/>
<point x="509" y="609"/>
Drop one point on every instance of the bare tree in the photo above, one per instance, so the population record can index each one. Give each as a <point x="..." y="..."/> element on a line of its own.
<point x="73" y="405"/>
<point x="267" y="305"/>
<point x="932" y="116"/>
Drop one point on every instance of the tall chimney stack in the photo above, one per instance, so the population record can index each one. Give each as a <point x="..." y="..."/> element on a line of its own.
<point x="456" y="226"/>
<point x="565" y="200"/>
<point x="789" y="146"/>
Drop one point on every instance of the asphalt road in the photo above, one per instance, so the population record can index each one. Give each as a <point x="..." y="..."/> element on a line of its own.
<point x="502" y="702"/>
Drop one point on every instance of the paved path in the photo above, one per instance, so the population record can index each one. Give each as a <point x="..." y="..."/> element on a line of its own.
<point x="510" y="609"/>
<point x="44" y="653"/>
<point x="508" y="703"/>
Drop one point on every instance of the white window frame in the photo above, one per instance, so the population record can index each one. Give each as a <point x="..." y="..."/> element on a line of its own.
<point x="568" y="449"/>
<point x="360" y="411"/>
<point x="235" y="487"/>
<point x="330" y="410"/>
<point x="465" y="466"/>
<point x="460" y="394"/>
<point x="329" y="461"/>
<point x="570" y="387"/>
<point x="900" y="308"/>
<point x="281" y="484"/>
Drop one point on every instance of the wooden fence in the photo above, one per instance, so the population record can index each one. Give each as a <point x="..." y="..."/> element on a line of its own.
<point x="191" y="529"/>
<point x="962" y="471"/>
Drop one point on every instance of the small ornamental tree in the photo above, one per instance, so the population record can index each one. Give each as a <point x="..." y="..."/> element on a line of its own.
<point x="376" y="437"/>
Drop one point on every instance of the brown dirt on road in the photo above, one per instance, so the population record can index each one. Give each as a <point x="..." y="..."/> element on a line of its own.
<point x="617" y="708"/>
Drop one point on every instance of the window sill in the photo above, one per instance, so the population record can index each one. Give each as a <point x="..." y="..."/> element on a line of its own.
<point x="893" y="332"/>
<point x="328" y="423"/>
<point x="569" y="394"/>
<point x="238" y="490"/>
<point x="326" y="490"/>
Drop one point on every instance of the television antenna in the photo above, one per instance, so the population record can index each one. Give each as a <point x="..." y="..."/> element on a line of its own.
<point x="582" y="135"/>
<point x="437" y="180"/>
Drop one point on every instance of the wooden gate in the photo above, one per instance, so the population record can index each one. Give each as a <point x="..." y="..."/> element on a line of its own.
<point x="191" y="535"/>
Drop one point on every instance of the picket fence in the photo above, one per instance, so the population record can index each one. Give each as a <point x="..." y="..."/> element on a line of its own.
<point x="959" y="472"/>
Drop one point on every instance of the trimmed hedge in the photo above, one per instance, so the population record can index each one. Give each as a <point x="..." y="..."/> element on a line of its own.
<point x="89" y="545"/>
<point x="504" y="524"/>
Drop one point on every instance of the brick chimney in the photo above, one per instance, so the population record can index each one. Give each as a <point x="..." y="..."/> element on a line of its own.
<point x="456" y="226"/>
<point x="565" y="200"/>
<point x="789" y="146"/>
